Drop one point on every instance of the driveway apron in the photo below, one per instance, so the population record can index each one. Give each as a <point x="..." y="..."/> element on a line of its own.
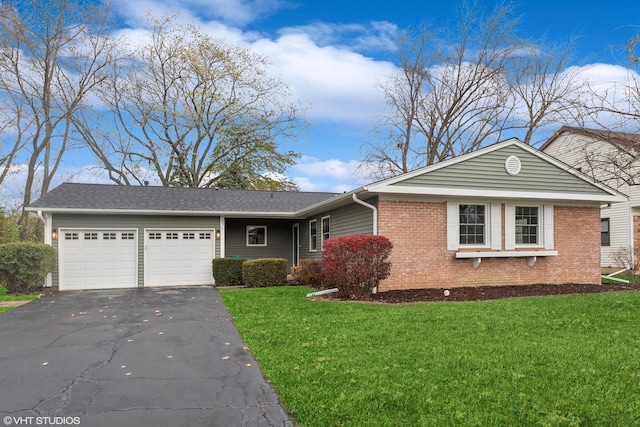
<point x="143" y="357"/>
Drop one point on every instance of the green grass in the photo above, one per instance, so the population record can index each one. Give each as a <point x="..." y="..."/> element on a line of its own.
<point x="6" y="297"/>
<point x="551" y="361"/>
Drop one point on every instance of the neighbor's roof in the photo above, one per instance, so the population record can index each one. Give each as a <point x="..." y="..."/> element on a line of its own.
<point x="622" y="139"/>
<point x="74" y="197"/>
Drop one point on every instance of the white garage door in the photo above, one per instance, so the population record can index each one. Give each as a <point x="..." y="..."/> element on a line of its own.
<point x="97" y="259"/>
<point x="178" y="257"/>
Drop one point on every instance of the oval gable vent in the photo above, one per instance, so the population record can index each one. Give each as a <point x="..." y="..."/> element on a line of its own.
<point x="513" y="165"/>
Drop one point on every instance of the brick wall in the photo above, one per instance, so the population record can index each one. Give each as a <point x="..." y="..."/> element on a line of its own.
<point x="420" y="258"/>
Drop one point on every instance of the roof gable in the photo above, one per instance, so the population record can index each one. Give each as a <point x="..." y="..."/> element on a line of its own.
<point x="484" y="172"/>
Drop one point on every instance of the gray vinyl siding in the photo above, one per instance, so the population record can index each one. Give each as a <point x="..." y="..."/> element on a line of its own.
<point x="351" y="219"/>
<point x="487" y="172"/>
<point x="138" y="222"/>
<point x="279" y="238"/>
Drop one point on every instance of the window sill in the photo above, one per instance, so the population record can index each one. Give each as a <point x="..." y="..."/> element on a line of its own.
<point x="531" y="255"/>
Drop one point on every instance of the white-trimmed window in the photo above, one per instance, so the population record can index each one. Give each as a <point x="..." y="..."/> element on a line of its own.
<point x="528" y="226"/>
<point x="256" y="235"/>
<point x="326" y="228"/>
<point x="313" y="235"/>
<point x="474" y="225"/>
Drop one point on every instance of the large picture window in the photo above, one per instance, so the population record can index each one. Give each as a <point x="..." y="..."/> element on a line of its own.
<point x="527" y="225"/>
<point x="472" y="224"/>
<point x="256" y="235"/>
<point x="313" y="235"/>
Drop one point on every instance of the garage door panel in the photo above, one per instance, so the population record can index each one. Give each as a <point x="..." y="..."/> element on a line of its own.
<point x="178" y="257"/>
<point x="98" y="259"/>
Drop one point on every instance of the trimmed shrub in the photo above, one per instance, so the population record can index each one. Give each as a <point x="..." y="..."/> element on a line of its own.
<point x="308" y="272"/>
<point x="355" y="264"/>
<point x="227" y="271"/>
<point x="264" y="272"/>
<point x="24" y="266"/>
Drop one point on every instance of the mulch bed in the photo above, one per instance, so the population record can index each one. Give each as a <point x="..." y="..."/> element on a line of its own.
<point x="482" y="293"/>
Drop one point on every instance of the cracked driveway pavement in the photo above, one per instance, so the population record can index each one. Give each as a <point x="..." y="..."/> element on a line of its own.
<point x="143" y="357"/>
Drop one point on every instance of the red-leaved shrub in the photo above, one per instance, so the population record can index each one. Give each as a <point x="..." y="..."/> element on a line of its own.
<point x="355" y="264"/>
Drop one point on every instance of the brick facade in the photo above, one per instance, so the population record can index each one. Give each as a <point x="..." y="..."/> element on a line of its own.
<point x="420" y="258"/>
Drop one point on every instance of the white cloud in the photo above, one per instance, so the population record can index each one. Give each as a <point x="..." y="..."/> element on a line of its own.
<point x="312" y="174"/>
<point x="377" y="36"/>
<point x="339" y="84"/>
<point x="238" y="12"/>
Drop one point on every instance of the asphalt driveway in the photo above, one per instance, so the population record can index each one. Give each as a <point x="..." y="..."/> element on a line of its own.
<point x="145" y="357"/>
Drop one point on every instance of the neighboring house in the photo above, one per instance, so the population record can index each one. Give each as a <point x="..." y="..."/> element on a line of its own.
<point x="609" y="158"/>
<point x="503" y="215"/>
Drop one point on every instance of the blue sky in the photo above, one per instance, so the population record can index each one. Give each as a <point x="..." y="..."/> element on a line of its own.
<point x="333" y="54"/>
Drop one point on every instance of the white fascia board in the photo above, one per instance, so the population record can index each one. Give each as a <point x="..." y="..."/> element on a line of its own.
<point x="498" y="194"/>
<point x="230" y="214"/>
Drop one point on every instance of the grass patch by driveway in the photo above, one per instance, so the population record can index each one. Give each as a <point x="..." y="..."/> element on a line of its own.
<point x="7" y="302"/>
<point x="551" y="361"/>
<point x="4" y="296"/>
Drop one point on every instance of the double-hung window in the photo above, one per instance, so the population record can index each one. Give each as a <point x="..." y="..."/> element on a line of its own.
<point x="472" y="224"/>
<point x="313" y="235"/>
<point x="605" y="232"/>
<point x="527" y="221"/>
<point x="326" y="228"/>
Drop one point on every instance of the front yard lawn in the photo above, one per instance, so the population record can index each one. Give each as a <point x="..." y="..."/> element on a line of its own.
<point x="548" y="361"/>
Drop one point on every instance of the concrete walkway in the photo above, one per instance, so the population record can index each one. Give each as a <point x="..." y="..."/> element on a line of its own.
<point x="148" y="357"/>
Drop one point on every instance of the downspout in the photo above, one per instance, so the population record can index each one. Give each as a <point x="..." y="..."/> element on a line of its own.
<point x="373" y="208"/>
<point x="222" y="237"/>
<point x="46" y="220"/>
<point x="375" y="222"/>
<point x="47" y="228"/>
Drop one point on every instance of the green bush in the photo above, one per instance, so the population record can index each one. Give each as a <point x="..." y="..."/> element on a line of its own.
<point x="227" y="271"/>
<point x="308" y="272"/>
<point x="264" y="272"/>
<point x="24" y="266"/>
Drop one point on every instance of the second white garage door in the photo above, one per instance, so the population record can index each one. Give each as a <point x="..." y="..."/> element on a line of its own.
<point x="178" y="257"/>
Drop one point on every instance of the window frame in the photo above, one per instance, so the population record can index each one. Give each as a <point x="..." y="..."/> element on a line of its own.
<point x="607" y="233"/>
<point x="326" y="218"/>
<point x="539" y="226"/>
<point x="486" y="225"/>
<point x="250" y="227"/>
<point x="313" y="237"/>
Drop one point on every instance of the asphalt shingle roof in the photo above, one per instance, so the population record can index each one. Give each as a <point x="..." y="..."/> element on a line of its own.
<point x="152" y="198"/>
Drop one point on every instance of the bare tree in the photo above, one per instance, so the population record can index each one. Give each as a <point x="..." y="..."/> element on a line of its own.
<point x="189" y="107"/>
<point x="546" y="91"/>
<point x="53" y="54"/>
<point x="456" y="91"/>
